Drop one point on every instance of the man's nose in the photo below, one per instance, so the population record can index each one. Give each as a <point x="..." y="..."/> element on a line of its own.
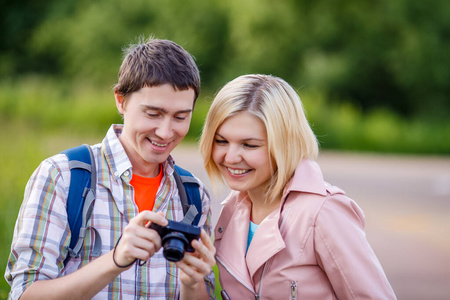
<point x="164" y="130"/>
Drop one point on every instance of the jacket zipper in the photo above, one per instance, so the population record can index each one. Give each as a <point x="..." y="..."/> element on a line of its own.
<point x="257" y="295"/>
<point x="261" y="282"/>
<point x="293" y="295"/>
<point x="246" y="286"/>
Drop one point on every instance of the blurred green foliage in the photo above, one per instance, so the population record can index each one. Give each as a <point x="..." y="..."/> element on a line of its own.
<point x="374" y="54"/>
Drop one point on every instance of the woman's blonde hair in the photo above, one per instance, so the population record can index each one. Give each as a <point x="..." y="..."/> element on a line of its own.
<point x="289" y="135"/>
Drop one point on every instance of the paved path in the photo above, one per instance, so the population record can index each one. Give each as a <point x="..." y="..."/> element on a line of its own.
<point x="406" y="200"/>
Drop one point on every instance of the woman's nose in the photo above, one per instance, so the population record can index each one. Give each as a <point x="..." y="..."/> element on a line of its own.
<point x="233" y="155"/>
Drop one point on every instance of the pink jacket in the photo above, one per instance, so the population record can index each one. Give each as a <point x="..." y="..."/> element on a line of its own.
<point x="312" y="247"/>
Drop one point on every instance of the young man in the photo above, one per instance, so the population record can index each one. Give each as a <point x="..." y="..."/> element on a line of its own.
<point x="158" y="85"/>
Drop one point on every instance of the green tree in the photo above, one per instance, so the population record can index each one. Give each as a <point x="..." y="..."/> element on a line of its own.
<point x="374" y="54"/>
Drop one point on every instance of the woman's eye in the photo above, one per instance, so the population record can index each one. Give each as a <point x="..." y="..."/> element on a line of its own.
<point x="220" y="142"/>
<point x="251" y="146"/>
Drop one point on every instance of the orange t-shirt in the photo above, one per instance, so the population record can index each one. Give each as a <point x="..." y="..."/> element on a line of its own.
<point x="145" y="189"/>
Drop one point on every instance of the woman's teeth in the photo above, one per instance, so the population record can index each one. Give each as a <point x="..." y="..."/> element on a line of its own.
<point x="237" y="172"/>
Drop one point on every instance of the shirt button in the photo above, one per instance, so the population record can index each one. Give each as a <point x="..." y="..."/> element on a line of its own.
<point x="220" y="230"/>
<point x="126" y="173"/>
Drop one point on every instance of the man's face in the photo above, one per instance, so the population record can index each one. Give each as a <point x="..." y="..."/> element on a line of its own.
<point x="156" y="119"/>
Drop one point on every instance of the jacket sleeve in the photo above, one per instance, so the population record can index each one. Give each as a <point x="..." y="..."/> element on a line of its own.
<point x="344" y="253"/>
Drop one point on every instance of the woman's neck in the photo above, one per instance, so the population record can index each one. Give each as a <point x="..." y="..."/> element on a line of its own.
<point x="261" y="210"/>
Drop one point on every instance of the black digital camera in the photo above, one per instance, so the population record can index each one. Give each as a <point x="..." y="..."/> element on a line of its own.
<point x="176" y="239"/>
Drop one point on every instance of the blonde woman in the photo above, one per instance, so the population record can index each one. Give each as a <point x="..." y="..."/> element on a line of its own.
<point x="283" y="233"/>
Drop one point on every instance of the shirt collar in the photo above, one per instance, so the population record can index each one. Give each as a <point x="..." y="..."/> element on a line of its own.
<point x="115" y="153"/>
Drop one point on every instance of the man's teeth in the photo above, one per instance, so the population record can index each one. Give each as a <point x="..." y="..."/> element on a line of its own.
<point x="159" y="145"/>
<point x="237" y="172"/>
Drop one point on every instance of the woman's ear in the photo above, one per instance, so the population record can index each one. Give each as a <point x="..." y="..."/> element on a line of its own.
<point x="119" y="102"/>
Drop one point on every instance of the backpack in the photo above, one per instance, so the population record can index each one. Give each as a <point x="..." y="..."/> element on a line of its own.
<point x="81" y="196"/>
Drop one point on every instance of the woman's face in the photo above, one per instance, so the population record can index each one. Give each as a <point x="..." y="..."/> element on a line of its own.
<point x="240" y="151"/>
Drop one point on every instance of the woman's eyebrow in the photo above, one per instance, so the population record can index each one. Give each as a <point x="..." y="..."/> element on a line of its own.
<point x="243" y="140"/>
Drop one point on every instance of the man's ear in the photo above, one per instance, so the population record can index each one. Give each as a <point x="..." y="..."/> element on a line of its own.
<point x="119" y="102"/>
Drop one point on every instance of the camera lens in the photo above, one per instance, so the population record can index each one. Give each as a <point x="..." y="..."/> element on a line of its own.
<point x="174" y="244"/>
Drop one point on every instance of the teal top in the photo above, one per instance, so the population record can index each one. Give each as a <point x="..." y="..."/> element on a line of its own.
<point x="251" y="232"/>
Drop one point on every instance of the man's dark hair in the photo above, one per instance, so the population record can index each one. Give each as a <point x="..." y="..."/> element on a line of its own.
<point x="156" y="62"/>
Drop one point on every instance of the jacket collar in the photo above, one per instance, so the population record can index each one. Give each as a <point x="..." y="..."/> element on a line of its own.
<point x="307" y="178"/>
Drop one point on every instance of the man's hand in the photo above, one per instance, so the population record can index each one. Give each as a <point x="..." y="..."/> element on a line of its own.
<point x="138" y="241"/>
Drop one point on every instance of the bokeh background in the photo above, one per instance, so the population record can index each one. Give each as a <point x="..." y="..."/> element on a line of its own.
<point x="373" y="75"/>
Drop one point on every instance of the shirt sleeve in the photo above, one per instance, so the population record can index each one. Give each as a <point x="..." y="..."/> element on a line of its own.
<point x="344" y="253"/>
<point x="41" y="231"/>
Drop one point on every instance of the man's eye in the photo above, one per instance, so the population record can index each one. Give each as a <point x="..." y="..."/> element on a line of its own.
<point x="152" y="115"/>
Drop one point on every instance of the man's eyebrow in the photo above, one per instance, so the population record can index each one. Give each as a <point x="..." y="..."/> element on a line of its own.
<point x="163" y="110"/>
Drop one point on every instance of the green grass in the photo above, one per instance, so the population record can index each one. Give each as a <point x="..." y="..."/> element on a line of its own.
<point x="218" y="287"/>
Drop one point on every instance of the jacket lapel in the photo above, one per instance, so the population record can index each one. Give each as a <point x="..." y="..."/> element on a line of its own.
<point x="233" y="242"/>
<point x="266" y="242"/>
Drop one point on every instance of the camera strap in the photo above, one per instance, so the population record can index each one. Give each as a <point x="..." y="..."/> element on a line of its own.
<point x="190" y="215"/>
<point x="188" y="190"/>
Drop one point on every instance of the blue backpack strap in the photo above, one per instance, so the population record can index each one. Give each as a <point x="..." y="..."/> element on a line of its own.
<point x="81" y="197"/>
<point x="189" y="191"/>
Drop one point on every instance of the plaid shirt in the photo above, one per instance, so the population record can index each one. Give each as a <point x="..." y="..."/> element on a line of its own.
<point x="42" y="234"/>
